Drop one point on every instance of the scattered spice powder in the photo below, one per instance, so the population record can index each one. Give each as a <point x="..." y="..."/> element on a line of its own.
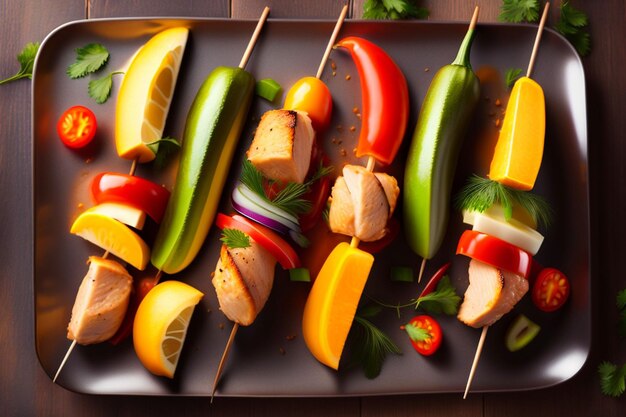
<point x="498" y="102"/>
<point x="221" y="326"/>
<point x="343" y="152"/>
<point x="426" y="69"/>
<point x="290" y="337"/>
<point x="333" y="65"/>
<point x="497" y="122"/>
<point x="80" y="206"/>
<point x="352" y="128"/>
<point x="348" y="77"/>
<point x="282" y="351"/>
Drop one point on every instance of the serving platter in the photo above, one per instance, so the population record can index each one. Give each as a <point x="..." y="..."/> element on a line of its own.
<point x="270" y="358"/>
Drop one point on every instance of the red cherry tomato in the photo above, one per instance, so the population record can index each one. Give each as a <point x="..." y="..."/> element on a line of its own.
<point x="551" y="290"/>
<point x="77" y="127"/>
<point x="132" y="190"/>
<point x="311" y="95"/>
<point x="495" y="252"/>
<point x="274" y="244"/>
<point x="425" y="334"/>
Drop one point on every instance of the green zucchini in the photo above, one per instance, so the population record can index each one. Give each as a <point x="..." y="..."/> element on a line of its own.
<point x="429" y="172"/>
<point x="212" y="129"/>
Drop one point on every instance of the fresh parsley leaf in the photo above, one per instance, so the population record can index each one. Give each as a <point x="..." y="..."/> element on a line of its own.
<point x="416" y="334"/>
<point x="443" y="300"/>
<point x="163" y="148"/>
<point x="612" y="379"/>
<point x="372" y="347"/>
<point x="234" y="238"/>
<point x="511" y="75"/>
<point x="393" y="9"/>
<point x="100" y="89"/>
<point x="572" y="24"/>
<point x="516" y="11"/>
<point x="89" y="58"/>
<point x="26" y="58"/>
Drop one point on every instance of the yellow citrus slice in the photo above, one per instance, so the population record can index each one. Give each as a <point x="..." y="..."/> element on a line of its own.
<point x="332" y="302"/>
<point x="161" y="325"/>
<point x="126" y="214"/>
<point x="113" y="236"/>
<point x="146" y="93"/>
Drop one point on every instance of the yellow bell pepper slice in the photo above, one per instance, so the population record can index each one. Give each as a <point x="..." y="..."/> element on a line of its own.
<point x="519" y="149"/>
<point x="333" y="300"/>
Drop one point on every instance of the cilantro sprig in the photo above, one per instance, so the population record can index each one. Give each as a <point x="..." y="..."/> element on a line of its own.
<point x="393" y="9"/>
<point x="612" y="376"/>
<point x="511" y="75"/>
<point x="26" y="59"/>
<point x="234" y="239"/>
<point x="90" y="59"/>
<point x="573" y="25"/>
<point x="516" y="11"/>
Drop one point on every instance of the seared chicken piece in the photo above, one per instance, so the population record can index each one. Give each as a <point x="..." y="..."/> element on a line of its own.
<point x="243" y="280"/>
<point x="491" y="294"/>
<point x="362" y="202"/>
<point x="101" y="302"/>
<point x="281" y="148"/>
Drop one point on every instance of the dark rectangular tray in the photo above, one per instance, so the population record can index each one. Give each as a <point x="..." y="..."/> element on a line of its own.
<point x="262" y="361"/>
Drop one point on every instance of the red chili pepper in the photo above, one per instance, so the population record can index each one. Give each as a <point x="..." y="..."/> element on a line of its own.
<point x="385" y="97"/>
<point x="432" y="283"/>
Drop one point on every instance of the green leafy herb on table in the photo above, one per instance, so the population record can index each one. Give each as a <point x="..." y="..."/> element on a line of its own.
<point x="612" y="379"/>
<point x="89" y="59"/>
<point x="393" y="9"/>
<point x="516" y="11"/>
<point x="511" y="75"/>
<point x="572" y="24"/>
<point x="26" y="58"/>
<point x="100" y="89"/>
<point x="444" y="300"/>
<point x="234" y="239"/>
<point x="163" y="148"/>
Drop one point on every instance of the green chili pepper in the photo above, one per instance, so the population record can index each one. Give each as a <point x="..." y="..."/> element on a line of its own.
<point x="442" y="123"/>
<point x="212" y="129"/>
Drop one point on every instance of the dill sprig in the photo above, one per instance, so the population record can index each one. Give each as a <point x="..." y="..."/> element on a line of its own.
<point x="372" y="347"/>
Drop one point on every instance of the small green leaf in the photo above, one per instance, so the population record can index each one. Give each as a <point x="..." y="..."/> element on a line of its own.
<point x="621" y="299"/>
<point x="393" y="9"/>
<point x="443" y="300"/>
<point x="516" y="11"/>
<point x="234" y="238"/>
<point x="100" y="89"/>
<point x="612" y="379"/>
<point x="163" y="149"/>
<point x="26" y="58"/>
<point x="511" y="75"/>
<point x="372" y="347"/>
<point x="416" y="334"/>
<point x="89" y="58"/>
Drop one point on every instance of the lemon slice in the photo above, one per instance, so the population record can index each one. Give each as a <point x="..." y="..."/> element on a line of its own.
<point x="113" y="236"/>
<point x="161" y="325"/>
<point x="126" y="214"/>
<point x="146" y="93"/>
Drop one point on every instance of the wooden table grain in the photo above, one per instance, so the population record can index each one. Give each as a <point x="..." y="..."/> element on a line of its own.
<point x="25" y="390"/>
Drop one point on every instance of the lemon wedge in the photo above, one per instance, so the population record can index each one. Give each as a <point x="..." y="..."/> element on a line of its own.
<point x="126" y="214"/>
<point x="113" y="236"/>
<point x="161" y="323"/>
<point x="332" y="302"/>
<point x="146" y="93"/>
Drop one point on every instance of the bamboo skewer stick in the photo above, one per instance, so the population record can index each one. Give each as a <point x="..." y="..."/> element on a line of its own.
<point x="531" y="64"/>
<point x="220" y="367"/>
<point x="254" y="38"/>
<point x="331" y="41"/>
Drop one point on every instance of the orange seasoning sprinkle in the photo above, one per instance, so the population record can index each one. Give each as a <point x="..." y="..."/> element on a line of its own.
<point x="348" y="77"/>
<point x="498" y="102"/>
<point x="352" y="128"/>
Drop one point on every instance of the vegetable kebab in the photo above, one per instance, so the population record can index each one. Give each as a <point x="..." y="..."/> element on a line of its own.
<point x="429" y="172"/>
<point x="362" y="202"/>
<point x="503" y="216"/>
<point x="283" y="163"/>
<point x="122" y="201"/>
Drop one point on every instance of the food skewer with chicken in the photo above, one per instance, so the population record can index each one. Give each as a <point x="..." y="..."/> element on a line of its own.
<point x="504" y="240"/>
<point x="283" y="152"/>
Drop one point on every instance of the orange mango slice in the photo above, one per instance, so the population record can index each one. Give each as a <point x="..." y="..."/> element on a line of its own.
<point x="333" y="300"/>
<point x="519" y="149"/>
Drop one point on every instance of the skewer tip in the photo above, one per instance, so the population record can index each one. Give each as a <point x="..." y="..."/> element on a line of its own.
<point x="422" y="267"/>
<point x="220" y="367"/>
<point x="479" y="349"/>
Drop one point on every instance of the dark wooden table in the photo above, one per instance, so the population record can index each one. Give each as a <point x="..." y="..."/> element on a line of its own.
<point x="25" y="390"/>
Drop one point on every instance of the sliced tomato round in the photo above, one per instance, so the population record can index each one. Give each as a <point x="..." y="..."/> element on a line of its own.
<point x="425" y="334"/>
<point x="274" y="244"/>
<point x="551" y="290"/>
<point x="77" y="127"/>
<point x="495" y="252"/>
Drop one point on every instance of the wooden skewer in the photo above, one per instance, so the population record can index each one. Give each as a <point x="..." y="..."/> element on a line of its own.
<point x="332" y="40"/>
<point x="220" y="367"/>
<point x="531" y="64"/>
<point x="254" y="38"/>
<point x="422" y="267"/>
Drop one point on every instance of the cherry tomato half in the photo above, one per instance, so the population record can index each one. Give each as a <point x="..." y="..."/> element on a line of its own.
<point x="132" y="190"/>
<point x="77" y="127"/>
<point x="141" y="288"/>
<point x="274" y="244"/>
<point x="311" y="95"/>
<point x="425" y="334"/>
<point x="551" y="290"/>
<point x="495" y="252"/>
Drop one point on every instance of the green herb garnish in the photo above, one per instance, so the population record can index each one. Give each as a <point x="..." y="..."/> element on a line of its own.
<point x="89" y="58"/>
<point x="511" y="75"/>
<point x="393" y="9"/>
<point x="234" y="238"/>
<point x="481" y="193"/>
<point x="163" y="149"/>
<point x="516" y="11"/>
<point x="621" y="306"/>
<point x="26" y="58"/>
<point x="100" y="89"/>
<point x="372" y="347"/>
<point x="443" y="300"/>
<point x="612" y="379"/>
<point x="572" y="24"/>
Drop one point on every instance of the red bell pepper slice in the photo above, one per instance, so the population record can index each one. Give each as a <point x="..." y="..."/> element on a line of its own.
<point x="134" y="191"/>
<point x="495" y="252"/>
<point x="385" y="98"/>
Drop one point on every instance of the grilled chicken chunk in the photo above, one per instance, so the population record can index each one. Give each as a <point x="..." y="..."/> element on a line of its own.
<point x="362" y="202"/>
<point x="101" y="302"/>
<point x="281" y="148"/>
<point x="243" y="280"/>
<point x="491" y="294"/>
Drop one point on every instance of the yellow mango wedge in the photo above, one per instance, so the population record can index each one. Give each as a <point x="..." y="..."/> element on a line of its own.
<point x="146" y="93"/>
<point x="519" y="149"/>
<point x="113" y="236"/>
<point x="333" y="300"/>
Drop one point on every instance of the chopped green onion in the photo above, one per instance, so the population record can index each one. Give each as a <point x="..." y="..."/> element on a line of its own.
<point x="299" y="275"/>
<point x="267" y="89"/>
<point x="402" y="273"/>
